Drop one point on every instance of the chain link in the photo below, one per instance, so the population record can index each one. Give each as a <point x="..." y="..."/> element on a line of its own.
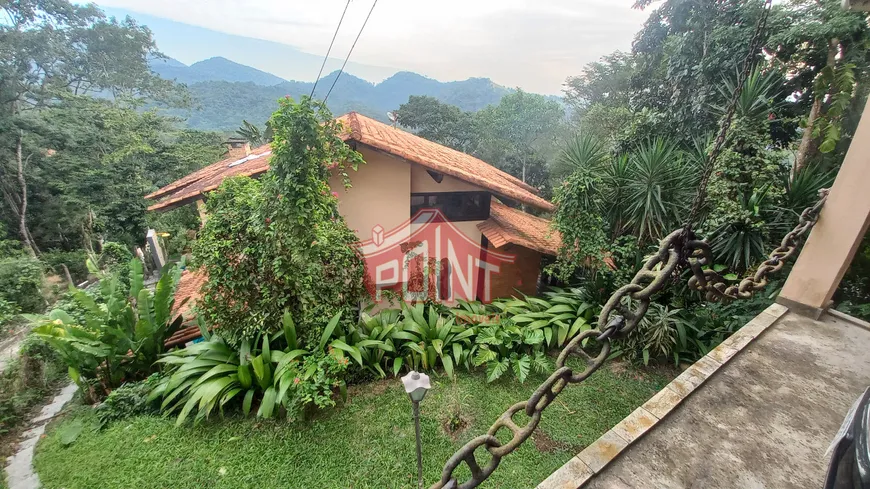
<point x="620" y="315"/>
<point x="714" y="286"/>
<point x="627" y="306"/>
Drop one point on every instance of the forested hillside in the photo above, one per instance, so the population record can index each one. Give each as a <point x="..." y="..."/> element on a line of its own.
<point x="211" y="69"/>
<point x="225" y="92"/>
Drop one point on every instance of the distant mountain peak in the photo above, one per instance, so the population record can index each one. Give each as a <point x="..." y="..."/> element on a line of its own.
<point x="216" y="68"/>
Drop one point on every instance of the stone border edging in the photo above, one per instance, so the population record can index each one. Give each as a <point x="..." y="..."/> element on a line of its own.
<point x="19" y="467"/>
<point x="595" y="457"/>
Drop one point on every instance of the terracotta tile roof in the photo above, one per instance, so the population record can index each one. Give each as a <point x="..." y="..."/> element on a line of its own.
<point x="441" y="159"/>
<point x="187" y="292"/>
<point x="506" y="225"/>
<point x="370" y="133"/>
<point x="202" y="174"/>
<point x="185" y="296"/>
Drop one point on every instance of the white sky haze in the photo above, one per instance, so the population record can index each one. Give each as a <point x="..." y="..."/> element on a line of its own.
<point x="534" y="45"/>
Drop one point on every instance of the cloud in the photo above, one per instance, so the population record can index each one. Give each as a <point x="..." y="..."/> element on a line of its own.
<point x="534" y="45"/>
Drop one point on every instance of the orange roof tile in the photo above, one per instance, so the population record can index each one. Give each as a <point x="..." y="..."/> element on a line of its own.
<point x="371" y="133"/>
<point x="507" y="225"/>
<point x="187" y="291"/>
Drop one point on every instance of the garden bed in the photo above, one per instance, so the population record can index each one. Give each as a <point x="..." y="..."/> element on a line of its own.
<point x="366" y="443"/>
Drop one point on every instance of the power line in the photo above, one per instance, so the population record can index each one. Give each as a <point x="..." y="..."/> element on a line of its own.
<point x="330" y="49"/>
<point x="351" y="50"/>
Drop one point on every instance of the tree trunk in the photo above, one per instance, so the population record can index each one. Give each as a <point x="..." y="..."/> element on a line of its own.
<point x="807" y="148"/>
<point x="22" y="210"/>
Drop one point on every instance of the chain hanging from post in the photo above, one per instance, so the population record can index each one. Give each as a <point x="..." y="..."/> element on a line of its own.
<point x="627" y="306"/>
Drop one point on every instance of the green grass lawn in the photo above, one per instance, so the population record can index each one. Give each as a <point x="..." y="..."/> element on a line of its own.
<point x="366" y="443"/>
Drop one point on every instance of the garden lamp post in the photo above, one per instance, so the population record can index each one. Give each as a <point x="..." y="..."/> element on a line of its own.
<point x="416" y="385"/>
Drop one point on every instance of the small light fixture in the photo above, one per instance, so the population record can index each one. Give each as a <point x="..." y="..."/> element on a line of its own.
<point x="416" y="386"/>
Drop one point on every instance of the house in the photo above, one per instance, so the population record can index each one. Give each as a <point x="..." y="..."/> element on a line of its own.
<point x="487" y="246"/>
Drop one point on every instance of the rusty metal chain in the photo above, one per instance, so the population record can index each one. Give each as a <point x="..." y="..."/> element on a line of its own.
<point x="627" y="306"/>
<point x="620" y="315"/>
<point x="533" y="408"/>
<point x="714" y="286"/>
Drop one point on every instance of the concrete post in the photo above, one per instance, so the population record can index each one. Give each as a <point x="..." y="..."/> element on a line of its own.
<point x="156" y="250"/>
<point x="200" y="207"/>
<point x="838" y="233"/>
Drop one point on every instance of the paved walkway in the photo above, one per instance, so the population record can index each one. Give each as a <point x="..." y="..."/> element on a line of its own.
<point x="19" y="467"/>
<point x="763" y="420"/>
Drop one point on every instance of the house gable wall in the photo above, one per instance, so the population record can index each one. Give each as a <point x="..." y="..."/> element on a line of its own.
<point x="380" y="193"/>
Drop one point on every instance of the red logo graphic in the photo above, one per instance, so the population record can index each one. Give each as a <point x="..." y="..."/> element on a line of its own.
<point x="428" y="257"/>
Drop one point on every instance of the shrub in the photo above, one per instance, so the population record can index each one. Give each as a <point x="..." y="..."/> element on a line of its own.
<point x="75" y="262"/>
<point x="280" y="243"/>
<point x="8" y="314"/>
<point x="21" y="283"/>
<point x="28" y="380"/>
<point x="123" y="331"/>
<point x="131" y="399"/>
<point x="268" y="374"/>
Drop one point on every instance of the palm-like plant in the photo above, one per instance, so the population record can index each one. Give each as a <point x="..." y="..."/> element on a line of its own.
<point x="741" y="242"/>
<point x="657" y="190"/>
<point x="758" y="97"/>
<point x="583" y="151"/>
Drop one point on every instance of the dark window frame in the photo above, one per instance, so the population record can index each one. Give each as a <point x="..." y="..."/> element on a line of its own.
<point x="450" y="210"/>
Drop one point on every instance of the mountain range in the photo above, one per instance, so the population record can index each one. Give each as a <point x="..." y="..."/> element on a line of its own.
<point x="226" y="92"/>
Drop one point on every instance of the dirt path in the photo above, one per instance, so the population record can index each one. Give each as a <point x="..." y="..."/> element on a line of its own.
<point x="9" y="346"/>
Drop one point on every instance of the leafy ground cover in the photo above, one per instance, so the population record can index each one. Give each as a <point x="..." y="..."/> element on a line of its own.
<point x="367" y="442"/>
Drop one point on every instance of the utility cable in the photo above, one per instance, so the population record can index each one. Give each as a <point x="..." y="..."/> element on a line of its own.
<point x="325" y="58"/>
<point x="351" y="51"/>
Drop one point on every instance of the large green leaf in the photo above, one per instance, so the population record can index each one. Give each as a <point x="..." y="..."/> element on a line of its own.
<point x="352" y="350"/>
<point x="267" y="404"/>
<point x="246" y="404"/>
<point x="327" y="332"/>
<point x="289" y="330"/>
<point x="521" y="366"/>
<point x="262" y="371"/>
<point x="164" y="296"/>
<point x="496" y="369"/>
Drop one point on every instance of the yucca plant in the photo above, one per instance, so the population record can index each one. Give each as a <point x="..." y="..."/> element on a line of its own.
<point x="657" y="190"/>
<point x="427" y="337"/>
<point x="741" y="243"/>
<point x="583" y="152"/>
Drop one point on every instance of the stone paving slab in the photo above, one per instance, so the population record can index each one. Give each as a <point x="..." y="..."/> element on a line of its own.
<point x="763" y="420"/>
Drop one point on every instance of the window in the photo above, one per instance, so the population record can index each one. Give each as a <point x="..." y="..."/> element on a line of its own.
<point x="456" y="206"/>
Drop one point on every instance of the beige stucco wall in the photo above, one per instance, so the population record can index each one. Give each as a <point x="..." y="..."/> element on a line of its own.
<point x="837" y="235"/>
<point x="421" y="181"/>
<point x="381" y="193"/>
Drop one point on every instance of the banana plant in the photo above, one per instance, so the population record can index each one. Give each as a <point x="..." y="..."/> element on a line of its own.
<point x="427" y="337"/>
<point x="124" y="329"/>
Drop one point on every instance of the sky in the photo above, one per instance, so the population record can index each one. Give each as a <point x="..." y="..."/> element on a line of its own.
<point x="529" y="44"/>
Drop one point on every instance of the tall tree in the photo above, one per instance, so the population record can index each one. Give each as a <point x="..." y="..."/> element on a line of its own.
<point x="684" y="51"/>
<point x="523" y="129"/>
<point x="822" y="48"/>
<point x="607" y="81"/>
<point x="436" y="121"/>
<point x="52" y="48"/>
